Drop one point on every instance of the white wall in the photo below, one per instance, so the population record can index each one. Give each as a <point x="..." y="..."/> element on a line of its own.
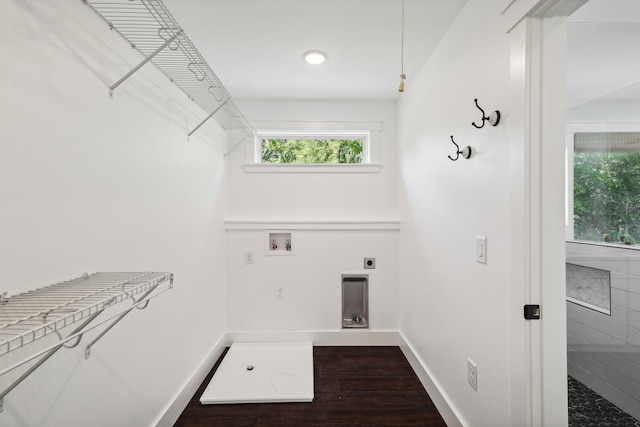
<point x="451" y="307"/>
<point x="316" y="196"/>
<point x="302" y="292"/>
<point x="615" y="112"/>
<point x="310" y="205"/>
<point x="94" y="184"/>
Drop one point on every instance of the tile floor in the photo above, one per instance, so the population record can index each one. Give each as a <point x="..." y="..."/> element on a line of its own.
<point x="588" y="409"/>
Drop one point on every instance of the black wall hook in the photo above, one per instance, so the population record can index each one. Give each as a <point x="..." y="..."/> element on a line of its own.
<point x="493" y="119"/>
<point x="466" y="151"/>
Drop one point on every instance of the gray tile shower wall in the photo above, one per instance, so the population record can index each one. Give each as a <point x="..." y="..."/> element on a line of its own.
<point x="604" y="350"/>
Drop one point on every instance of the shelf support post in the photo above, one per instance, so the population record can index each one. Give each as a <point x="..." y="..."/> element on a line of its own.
<point x="141" y="64"/>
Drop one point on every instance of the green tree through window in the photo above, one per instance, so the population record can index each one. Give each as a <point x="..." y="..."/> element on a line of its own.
<point x="607" y="197"/>
<point x="311" y="151"/>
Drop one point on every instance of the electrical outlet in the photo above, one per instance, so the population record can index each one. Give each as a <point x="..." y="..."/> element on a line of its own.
<point x="248" y="257"/>
<point x="472" y="374"/>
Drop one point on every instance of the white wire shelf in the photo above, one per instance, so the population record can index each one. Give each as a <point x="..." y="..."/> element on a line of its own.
<point x="29" y="316"/>
<point x="149" y="27"/>
<point x="32" y="315"/>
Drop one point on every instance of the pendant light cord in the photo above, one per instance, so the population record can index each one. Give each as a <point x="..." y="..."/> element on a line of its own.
<point x="402" y="75"/>
<point x="402" y="43"/>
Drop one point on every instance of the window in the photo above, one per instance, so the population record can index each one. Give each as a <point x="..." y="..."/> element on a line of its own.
<point x="343" y="147"/>
<point x="606" y="187"/>
<point x="326" y="148"/>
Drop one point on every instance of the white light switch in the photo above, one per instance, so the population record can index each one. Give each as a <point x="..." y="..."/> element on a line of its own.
<point x="481" y="249"/>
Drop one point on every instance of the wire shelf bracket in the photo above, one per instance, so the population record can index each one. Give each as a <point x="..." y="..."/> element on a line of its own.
<point x="28" y="317"/>
<point x="149" y="27"/>
<point x="141" y="64"/>
<point x="208" y="117"/>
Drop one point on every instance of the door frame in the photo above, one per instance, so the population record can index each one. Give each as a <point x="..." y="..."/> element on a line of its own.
<point x="538" y="34"/>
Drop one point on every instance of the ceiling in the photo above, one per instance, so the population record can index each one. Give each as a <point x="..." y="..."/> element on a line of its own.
<point x="603" y="56"/>
<point x="256" y="46"/>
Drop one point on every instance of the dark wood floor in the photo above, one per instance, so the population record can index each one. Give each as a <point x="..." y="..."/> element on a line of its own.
<point x="353" y="386"/>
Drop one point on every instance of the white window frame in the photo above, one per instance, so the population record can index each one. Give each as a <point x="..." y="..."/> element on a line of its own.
<point x="367" y="131"/>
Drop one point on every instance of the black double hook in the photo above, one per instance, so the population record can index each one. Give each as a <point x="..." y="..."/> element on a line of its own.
<point x="466" y="151"/>
<point x="492" y="121"/>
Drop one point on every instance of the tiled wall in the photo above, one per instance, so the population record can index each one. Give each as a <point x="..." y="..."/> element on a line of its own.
<point x="604" y="350"/>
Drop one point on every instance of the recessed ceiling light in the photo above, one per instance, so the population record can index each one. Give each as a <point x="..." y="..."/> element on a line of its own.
<point x="315" y="57"/>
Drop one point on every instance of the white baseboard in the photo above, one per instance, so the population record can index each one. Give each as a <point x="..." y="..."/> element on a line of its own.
<point x="181" y="399"/>
<point x="357" y="337"/>
<point x="318" y="338"/>
<point x="443" y="403"/>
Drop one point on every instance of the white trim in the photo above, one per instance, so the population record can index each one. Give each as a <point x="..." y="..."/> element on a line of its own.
<point x="571" y="129"/>
<point x="311" y="168"/>
<point x="443" y="402"/>
<point x="311" y="225"/>
<point x="576" y="127"/>
<point x="569" y="222"/>
<point x="180" y="400"/>
<point x="552" y="270"/>
<point x="517" y="10"/>
<point x="589" y="306"/>
<point x="370" y="153"/>
<point x="605" y="245"/>
<point x="323" y="134"/>
<point x="522" y="334"/>
<point x="317" y="126"/>
<point x="537" y="199"/>
<point x="345" y="337"/>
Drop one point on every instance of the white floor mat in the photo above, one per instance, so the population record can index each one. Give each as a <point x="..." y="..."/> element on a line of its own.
<point x="263" y="373"/>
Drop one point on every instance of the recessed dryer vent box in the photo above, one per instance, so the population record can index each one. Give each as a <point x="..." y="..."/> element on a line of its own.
<point x="355" y="300"/>
<point x="278" y="242"/>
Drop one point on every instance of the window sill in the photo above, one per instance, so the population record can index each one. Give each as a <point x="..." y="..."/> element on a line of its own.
<point x="612" y="245"/>
<point x="380" y="225"/>
<point x="310" y="168"/>
<point x="589" y="306"/>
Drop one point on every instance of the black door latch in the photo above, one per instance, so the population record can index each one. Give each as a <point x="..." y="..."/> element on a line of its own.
<point x="532" y="312"/>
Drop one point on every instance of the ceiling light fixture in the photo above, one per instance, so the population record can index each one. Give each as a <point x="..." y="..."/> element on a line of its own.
<point x="315" y="57"/>
<point x="403" y="76"/>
